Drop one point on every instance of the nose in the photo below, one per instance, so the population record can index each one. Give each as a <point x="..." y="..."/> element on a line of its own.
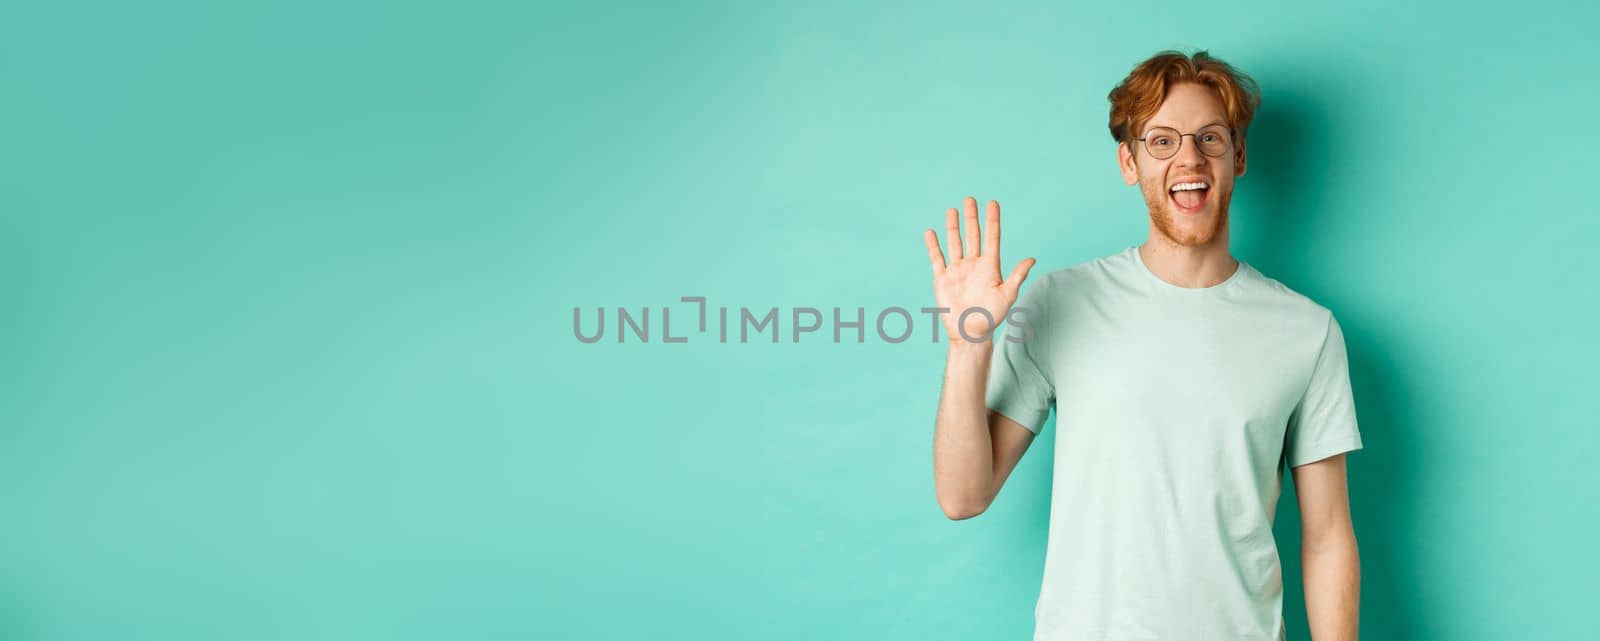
<point x="1189" y="153"/>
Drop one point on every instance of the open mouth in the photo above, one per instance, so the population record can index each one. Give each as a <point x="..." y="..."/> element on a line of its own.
<point x="1190" y="197"/>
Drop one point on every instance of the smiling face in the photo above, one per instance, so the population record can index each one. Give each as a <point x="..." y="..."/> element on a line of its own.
<point x="1185" y="215"/>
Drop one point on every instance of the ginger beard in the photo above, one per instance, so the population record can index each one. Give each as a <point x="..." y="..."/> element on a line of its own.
<point x="1186" y="229"/>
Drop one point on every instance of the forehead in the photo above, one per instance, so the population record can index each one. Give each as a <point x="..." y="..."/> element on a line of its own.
<point x="1189" y="106"/>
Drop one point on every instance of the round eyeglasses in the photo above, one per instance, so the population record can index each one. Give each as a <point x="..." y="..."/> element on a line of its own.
<point x="1163" y="142"/>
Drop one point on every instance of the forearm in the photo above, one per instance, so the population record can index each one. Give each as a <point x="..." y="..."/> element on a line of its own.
<point x="1332" y="571"/>
<point x="963" y="453"/>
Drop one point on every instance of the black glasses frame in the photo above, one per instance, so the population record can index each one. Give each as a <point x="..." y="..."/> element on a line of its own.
<point x="1232" y="136"/>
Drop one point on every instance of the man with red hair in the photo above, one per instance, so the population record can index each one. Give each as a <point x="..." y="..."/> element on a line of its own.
<point x="1184" y="382"/>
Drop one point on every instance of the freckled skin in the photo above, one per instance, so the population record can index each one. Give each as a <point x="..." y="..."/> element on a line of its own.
<point x="1188" y="107"/>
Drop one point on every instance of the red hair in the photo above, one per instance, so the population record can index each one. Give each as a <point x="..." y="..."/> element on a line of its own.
<point x="1139" y="96"/>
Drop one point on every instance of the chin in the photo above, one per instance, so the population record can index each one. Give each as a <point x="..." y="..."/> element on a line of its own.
<point x="1190" y="230"/>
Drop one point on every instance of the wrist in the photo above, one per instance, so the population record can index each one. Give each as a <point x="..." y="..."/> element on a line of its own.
<point x="961" y="348"/>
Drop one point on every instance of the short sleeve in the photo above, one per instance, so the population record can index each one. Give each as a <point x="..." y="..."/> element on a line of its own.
<point x="1018" y="387"/>
<point x="1324" y="422"/>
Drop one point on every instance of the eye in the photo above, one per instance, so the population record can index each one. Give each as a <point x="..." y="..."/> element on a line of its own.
<point x="1210" y="137"/>
<point x="1161" y="141"/>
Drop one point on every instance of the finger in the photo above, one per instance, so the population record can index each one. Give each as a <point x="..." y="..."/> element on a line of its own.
<point x="952" y="234"/>
<point x="991" y="234"/>
<point x="934" y="255"/>
<point x="1013" y="283"/>
<point x="970" y="240"/>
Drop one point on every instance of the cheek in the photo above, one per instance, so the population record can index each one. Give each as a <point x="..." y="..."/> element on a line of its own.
<point x="1153" y="177"/>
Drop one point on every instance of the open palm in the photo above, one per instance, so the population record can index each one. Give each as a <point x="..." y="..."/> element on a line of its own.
<point x="971" y="276"/>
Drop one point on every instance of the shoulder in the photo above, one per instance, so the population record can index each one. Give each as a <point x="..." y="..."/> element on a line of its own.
<point x="1077" y="279"/>
<point x="1290" y="305"/>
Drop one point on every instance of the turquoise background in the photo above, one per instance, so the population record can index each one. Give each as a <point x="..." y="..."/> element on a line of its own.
<point x="288" y="288"/>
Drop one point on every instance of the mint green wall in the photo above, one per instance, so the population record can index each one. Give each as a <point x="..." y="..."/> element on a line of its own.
<point x="287" y="347"/>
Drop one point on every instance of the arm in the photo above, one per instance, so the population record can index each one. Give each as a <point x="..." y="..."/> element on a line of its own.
<point x="1328" y="555"/>
<point x="974" y="449"/>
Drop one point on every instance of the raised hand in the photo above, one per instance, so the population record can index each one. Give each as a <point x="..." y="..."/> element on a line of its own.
<point x="972" y="276"/>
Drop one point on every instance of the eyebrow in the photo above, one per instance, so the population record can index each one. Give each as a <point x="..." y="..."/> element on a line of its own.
<point x="1214" y="122"/>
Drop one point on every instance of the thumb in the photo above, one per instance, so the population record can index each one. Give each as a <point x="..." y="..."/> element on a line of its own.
<point x="1013" y="283"/>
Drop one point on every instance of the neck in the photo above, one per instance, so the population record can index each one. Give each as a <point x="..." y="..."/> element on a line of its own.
<point x="1188" y="265"/>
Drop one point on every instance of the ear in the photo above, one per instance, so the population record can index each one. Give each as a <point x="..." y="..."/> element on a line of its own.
<point x="1238" y="160"/>
<point x="1130" y="169"/>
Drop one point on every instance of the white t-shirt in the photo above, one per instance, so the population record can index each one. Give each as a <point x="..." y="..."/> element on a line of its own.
<point x="1176" y="411"/>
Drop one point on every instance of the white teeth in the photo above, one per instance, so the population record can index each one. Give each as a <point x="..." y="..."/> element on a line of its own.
<point x="1188" y="186"/>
